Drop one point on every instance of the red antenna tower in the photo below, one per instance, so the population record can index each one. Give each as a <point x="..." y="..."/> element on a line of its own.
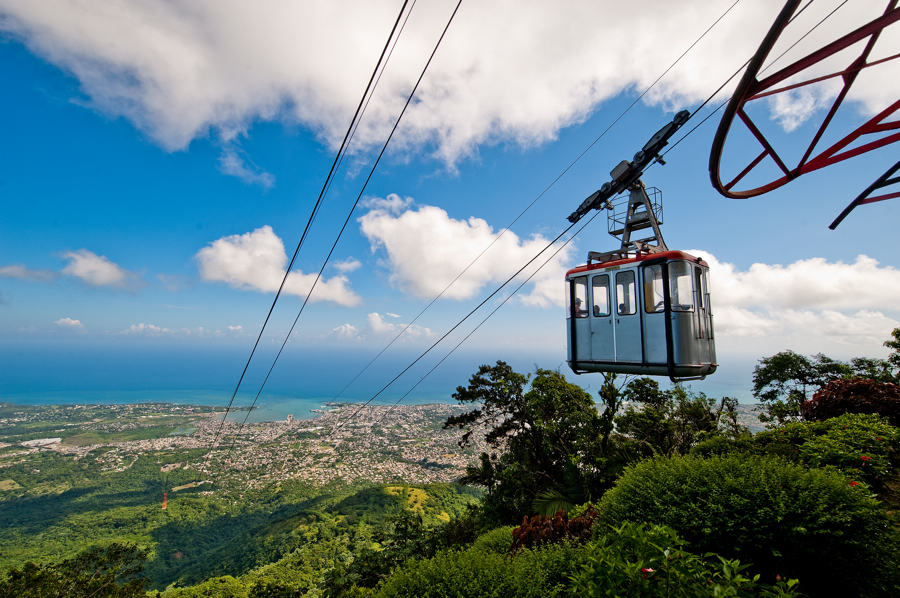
<point x="165" y="499"/>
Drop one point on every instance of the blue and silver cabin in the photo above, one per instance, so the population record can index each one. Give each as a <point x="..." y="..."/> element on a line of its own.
<point x="649" y="315"/>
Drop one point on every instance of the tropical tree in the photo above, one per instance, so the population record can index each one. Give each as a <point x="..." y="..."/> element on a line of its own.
<point x="545" y="436"/>
<point x="670" y="422"/>
<point x="783" y="382"/>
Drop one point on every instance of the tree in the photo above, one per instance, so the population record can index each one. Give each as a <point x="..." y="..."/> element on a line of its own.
<point x="109" y="572"/>
<point x="546" y="439"/>
<point x="855" y="395"/>
<point x="671" y="422"/>
<point x="894" y="358"/>
<point x="783" y="382"/>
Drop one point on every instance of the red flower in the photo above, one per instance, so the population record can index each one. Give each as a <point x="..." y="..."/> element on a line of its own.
<point x="878" y="439"/>
<point x="645" y="571"/>
<point x="864" y="458"/>
<point x="854" y="484"/>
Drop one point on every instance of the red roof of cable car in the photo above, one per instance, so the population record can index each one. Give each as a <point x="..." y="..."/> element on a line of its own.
<point x="669" y="255"/>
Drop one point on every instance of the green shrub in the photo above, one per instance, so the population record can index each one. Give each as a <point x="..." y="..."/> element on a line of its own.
<point x="863" y="447"/>
<point x="495" y="541"/>
<point x="540" y="573"/>
<point x="636" y="560"/>
<point x="217" y="587"/>
<point x="782" y="519"/>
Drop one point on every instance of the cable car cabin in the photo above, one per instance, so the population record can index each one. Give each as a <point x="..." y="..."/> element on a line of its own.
<point x="646" y="314"/>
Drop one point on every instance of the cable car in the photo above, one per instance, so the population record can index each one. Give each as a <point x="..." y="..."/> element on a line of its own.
<point x="641" y="309"/>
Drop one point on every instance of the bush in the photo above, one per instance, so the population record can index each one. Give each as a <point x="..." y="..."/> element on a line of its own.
<point x="782" y="519"/>
<point x="862" y="447"/>
<point x="540" y="573"/>
<point x="637" y="560"/>
<point x="857" y="395"/>
<point x="495" y="541"/>
<point x="540" y="529"/>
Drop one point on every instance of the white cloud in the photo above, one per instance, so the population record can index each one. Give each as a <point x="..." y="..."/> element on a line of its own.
<point x="379" y="326"/>
<point x="506" y="72"/>
<point x="808" y="305"/>
<point x="235" y="329"/>
<point x="389" y="314"/>
<point x="235" y="164"/>
<point x="347" y="332"/>
<point x="806" y="284"/>
<point x="348" y="265"/>
<point x="147" y="330"/>
<point x="257" y="261"/>
<point x="70" y="324"/>
<point x="426" y="250"/>
<point x="22" y="273"/>
<point x="97" y="270"/>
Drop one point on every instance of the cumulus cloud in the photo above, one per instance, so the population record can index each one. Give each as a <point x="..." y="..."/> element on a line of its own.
<point x="22" y="273"/>
<point x="426" y="249"/>
<point x="347" y="332"/>
<point x="147" y="330"/>
<point x="256" y="261"/>
<point x="198" y="332"/>
<point x="506" y="72"/>
<point x="807" y="302"/>
<point x="348" y="265"/>
<point x="806" y="284"/>
<point x="70" y="324"/>
<point x="379" y="326"/>
<point x="98" y="270"/>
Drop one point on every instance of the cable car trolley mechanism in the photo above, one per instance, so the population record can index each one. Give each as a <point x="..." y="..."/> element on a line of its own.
<point x="640" y="309"/>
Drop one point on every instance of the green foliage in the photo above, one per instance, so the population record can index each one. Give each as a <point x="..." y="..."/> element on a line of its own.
<point x="540" y="573"/>
<point x="550" y="436"/>
<point x="786" y="380"/>
<point x="671" y="422"/>
<point x="785" y="520"/>
<point x="496" y="541"/>
<point x="894" y="358"/>
<point x="109" y="572"/>
<point x="217" y="587"/>
<point x="639" y="560"/>
<point x="861" y="447"/>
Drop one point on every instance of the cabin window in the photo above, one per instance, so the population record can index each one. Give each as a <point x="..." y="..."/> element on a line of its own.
<point x="600" y="293"/>
<point x="681" y="286"/>
<point x="625" y="293"/>
<point x="654" y="298"/>
<point x="579" y="306"/>
<point x="699" y="287"/>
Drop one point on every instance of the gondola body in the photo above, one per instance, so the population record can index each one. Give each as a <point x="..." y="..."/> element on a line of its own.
<point x="645" y="315"/>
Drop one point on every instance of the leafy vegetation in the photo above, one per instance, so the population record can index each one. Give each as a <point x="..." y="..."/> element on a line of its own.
<point x="777" y="515"/>
<point x="656" y="493"/>
<point x="639" y="560"/>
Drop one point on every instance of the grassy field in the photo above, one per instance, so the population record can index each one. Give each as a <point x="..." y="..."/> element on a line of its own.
<point x="101" y="437"/>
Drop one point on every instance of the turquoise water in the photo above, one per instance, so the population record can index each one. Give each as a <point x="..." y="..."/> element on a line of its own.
<point x="268" y="408"/>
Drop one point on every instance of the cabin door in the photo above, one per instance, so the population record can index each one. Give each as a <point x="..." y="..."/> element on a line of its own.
<point x="627" y="321"/>
<point x="603" y="338"/>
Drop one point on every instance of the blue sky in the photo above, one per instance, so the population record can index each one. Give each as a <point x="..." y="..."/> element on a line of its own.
<point x="154" y="158"/>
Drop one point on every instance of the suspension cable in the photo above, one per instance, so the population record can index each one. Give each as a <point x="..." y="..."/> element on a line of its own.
<point x="318" y="203"/>
<point x="502" y="303"/>
<point x="350" y="214"/>
<point x="542" y="193"/>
